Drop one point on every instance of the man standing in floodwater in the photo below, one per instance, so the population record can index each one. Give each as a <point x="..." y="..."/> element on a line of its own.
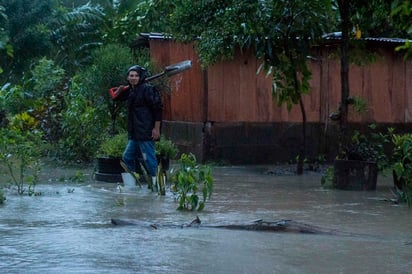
<point x="145" y="111"/>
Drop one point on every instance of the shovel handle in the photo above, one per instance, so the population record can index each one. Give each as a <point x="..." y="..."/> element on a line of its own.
<point x="172" y="70"/>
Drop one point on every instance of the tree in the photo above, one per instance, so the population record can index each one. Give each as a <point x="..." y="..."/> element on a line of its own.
<point x="29" y="34"/>
<point x="84" y="28"/>
<point x="126" y="19"/>
<point x="281" y="33"/>
<point x="403" y="11"/>
<point x="76" y="34"/>
<point x="288" y="42"/>
<point x="374" y="19"/>
<point x="4" y="38"/>
<point x="344" y="10"/>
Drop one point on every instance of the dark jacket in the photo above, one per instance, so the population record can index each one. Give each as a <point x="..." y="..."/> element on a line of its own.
<point x="144" y="106"/>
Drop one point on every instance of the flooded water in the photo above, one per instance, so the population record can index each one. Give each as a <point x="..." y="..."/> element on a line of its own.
<point x="68" y="229"/>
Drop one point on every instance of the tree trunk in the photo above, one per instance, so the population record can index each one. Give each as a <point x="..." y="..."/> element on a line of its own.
<point x="344" y="10"/>
<point x="259" y="225"/>
<point x="302" y="150"/>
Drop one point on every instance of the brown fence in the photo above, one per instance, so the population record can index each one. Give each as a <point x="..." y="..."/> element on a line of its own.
<point x="231" y="93"/>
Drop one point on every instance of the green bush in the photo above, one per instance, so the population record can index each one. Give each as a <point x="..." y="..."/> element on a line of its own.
<point x="402" y="164"/>
<point x="83" y="124"/>
<point x="20" y="152"/>
<point x="42" y="95"/>
<point x="166" y="148"/>
<point x="48" y="86"/>
<point x="15" y="99"/>
<point x="113" y="146"/>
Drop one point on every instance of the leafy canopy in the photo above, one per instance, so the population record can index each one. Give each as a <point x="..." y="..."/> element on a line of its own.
<point x="281" y="33"/>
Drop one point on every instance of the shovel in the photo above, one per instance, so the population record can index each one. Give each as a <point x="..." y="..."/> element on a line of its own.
<point x="168" y="71"/>
<point x="172" y="70"/>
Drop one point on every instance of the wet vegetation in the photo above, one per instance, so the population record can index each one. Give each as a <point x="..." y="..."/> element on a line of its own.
<point x="373" y="147"/>
<point x="192" y="183"/>
<point x="20" y="153"/>
<point x="402" y="166"/>
<point x="369" y="146"/>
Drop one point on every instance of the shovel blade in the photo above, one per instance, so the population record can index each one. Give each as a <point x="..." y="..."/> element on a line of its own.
<point x="177" y="68"/>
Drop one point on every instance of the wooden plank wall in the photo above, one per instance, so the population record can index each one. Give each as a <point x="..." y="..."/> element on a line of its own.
<point x="230" y="91"/>
<point x="187" y="97"/>
<point x="385" y="85"/>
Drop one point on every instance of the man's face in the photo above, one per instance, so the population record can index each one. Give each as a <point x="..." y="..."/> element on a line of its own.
<point x="133" y="78"/>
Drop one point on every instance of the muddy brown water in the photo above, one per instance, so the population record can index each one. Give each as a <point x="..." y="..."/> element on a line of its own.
<point x="68" y="230"/>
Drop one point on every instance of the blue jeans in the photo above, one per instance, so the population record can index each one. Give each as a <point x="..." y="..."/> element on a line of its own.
<point x="148" y="151"/>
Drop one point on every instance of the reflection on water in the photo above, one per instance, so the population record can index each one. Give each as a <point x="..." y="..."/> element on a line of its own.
<point x="70" y="231"/>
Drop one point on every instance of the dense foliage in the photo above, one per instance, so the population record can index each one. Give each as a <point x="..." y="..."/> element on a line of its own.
<point x="28" y="26"/>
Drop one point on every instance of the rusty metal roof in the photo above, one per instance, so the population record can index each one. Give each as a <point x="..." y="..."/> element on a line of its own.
<point x="333" y="36"/>
<point x="155" y="35"/>
<point x="338" y="36"/>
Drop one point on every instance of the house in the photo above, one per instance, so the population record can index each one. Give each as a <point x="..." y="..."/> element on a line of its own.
<point x="226" y="113"/>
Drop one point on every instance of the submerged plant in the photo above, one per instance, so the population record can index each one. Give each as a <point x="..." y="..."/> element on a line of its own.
<point x="327" y="178"/>
<point x="120" y="202"/>
<point x="77" y="177"/>
<point x="190" y="178"/>
<point x="2" y="197"/>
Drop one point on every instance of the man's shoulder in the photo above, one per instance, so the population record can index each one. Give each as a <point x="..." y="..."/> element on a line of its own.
<point x="146" y="86"/>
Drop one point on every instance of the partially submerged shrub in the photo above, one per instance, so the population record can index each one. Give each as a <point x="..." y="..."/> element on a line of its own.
<point x="20" y="152"/>
<point x="190" y="178"/>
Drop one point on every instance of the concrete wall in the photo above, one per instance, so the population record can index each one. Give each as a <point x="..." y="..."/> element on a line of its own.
<point x="246" y="143"/>
<point x="262" y="143"/>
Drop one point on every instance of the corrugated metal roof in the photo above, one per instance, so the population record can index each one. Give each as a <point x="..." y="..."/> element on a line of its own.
<point x="338" y="35"/>
<point x="155" y="35"/>
<point x="329" y="37"/>
<point x="388" y="40"/>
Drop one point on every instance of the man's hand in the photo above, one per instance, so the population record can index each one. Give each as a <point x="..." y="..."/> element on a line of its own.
<point x="156" y="131"/>
<point x="115" y="91"/>
<point x="155" y="134"/>
<point x="119" y="89"/>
